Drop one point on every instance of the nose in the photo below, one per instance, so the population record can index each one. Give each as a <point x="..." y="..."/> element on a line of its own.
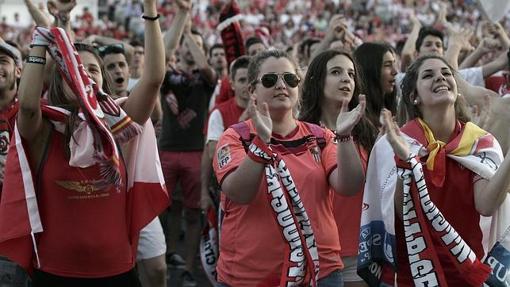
<point x="344" y="77"/>
<point x="280" y="83"/>
<point x="394" y="69"/>
<point x="440" y="77"/>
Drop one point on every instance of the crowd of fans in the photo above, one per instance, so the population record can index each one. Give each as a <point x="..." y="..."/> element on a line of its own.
<point x="302" y="104"/>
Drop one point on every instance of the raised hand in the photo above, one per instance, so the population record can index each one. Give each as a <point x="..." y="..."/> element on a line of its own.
<point x="57" y="7"/>
<point x="259" y="114"/>
<point x="397" y="142"/>
<point x="336" y="28"/>
<point x="347" y="120"/>
<point x="184" y="4"/>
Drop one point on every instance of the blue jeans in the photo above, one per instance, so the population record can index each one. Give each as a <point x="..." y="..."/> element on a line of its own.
<point x="334" y="279"/>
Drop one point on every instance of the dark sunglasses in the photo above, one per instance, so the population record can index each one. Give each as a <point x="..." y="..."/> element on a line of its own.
<point x="117" y="48"/>
<point x="270" y="79"/>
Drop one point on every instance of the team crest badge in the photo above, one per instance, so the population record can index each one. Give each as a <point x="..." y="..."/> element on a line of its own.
<point x="224" y="156"/>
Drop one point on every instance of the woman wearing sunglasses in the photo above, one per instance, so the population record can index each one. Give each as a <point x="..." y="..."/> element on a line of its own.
<point x="276" y="174"/>
<point x="332" y="83"/>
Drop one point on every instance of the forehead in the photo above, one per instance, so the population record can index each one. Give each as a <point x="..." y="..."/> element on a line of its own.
<point x="88" y="58"/>
<point x="341" y="61"/>
<point x="139" y="48"/>
<point x="5" y="56"/>
<point x="217" y="50"/>
<point x="388" y="56"/>
<point x="432" y="38"/>
<point x="114" y="58"/>
<point x="241" y="73"/>
<point x="256" y="46"/>
<point x="433" y="64"/>
<point x="276" y="65"/>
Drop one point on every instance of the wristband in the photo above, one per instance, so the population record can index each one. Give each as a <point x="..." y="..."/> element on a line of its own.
<point x="41" y="37"/>
<point x="259" y="151"/>
<point x="343" y="138"/>
<point x="145" y="17"/>
<point x="36" y="60"/>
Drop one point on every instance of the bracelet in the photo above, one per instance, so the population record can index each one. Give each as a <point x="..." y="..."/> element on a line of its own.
<point x="343" y="138"/>
<point x="36" y="60"/>
<point x="145" y="17"/>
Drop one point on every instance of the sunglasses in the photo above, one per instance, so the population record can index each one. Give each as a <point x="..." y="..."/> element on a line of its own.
<point x="269" y="80"/>
<point x="117" y="48"/>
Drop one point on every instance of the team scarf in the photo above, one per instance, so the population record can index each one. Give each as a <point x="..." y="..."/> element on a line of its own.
<point x="474" y="149"/>
<point x="19" y="212"/>
<point x="230" y="31"/>
<point x="209" y="239"/>
<point x="6" y="128"/>
<point x="301" y="259"/>
<point x="106" y="121"/>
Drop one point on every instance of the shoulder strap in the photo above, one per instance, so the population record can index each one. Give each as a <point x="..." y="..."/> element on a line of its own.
<point x="318" y="132"/>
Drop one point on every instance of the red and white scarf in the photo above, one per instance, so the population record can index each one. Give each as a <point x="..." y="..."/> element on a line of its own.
<point x="474" y="149"/>
<point x="105" y="119"/>
<point x="301" y="260"/>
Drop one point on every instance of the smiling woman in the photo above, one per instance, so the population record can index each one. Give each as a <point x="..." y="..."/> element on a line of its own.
<point x="449" y="170"/>
<point x="295" y="163"/>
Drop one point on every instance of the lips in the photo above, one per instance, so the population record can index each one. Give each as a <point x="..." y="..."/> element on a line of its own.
<point x="440" y="89"/>
<point x="345" y="89"/>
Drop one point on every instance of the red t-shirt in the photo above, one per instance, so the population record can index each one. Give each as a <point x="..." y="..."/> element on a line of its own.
<point x="85" y="226"/>
<point x="456" y="202"/>
<point x="347" y="211"/>
<point x="251" y="244"/>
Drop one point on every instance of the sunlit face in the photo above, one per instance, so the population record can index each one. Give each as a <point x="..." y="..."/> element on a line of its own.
<point x="218" y="59"/>
<point x="255" y="49"/>
<point x="340" y="79"/>
<point x="240" y="86"/>
<point x="388" y="73"/>
<point x="117" y="68"/>
<point x="435" y="85"/>
<point x="92" y="67"/>
<point x="8" y="73"/>
<point x="280" y="97"/>
<point x="431" y="45"/>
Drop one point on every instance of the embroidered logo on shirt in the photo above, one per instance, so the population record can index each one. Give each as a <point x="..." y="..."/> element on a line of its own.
<point x="224" y="156"/>
<point x="84" y="189"/>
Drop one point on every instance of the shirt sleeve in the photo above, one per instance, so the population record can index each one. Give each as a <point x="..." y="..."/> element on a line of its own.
<point x="215" y="126"/>
<point x="328" y="154"/>
<point x="229" y="154"/>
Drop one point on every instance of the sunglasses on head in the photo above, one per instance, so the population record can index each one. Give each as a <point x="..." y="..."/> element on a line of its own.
<point x="111" y="49"/>
<point x="270" y="79"/>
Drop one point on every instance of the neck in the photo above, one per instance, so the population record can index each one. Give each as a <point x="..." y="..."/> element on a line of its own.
<point x="441" y="122"/>
<point x="283" y="124"/>
<point x="240" y="103"/>
<point x="120" y="94"/>
<point x="330" y="111"/>
<point x="6" y="98"/>
<point x="136" y="73"/>
<point x="221" y="73"/>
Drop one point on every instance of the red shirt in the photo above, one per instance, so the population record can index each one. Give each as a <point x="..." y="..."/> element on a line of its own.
<point x="251" y="244"/>
<point x="347" y="211"/>
<point x="85" y="226"/>
<point x="456" y="202"/>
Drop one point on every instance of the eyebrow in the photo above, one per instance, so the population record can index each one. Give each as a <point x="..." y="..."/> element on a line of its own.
<point x="340" y="67"/>
<point x="431" y="70"/>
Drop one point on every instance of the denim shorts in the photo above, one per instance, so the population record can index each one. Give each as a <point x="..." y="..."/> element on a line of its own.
<point x="334" y="279"/>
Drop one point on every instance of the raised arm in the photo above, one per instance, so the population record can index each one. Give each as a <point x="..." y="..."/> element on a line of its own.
<point x="142" y="99"/>
<point x="40" y="18"/>
<point x="200" y="58"/>
<point x="61" y="10"/>
<point x="336" y="31"/>
<point x="409" y="48"/>
<point x="348" y="177"/>
<point x="457" y="42"/>
<point x="31" y="84"/>
<point x="174" y="34"/>
<point x="242" y="184"/>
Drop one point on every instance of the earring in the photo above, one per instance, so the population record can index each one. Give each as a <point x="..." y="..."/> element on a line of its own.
<point x="416" y="101"/>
